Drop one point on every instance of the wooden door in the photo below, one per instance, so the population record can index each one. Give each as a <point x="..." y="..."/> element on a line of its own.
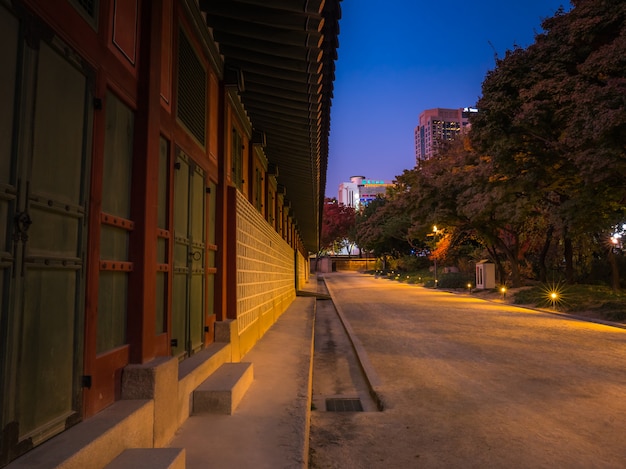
<point x="189" y="285"/>
<point x="44" y="226"/>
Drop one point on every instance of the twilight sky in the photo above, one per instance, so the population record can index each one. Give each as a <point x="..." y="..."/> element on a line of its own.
<point x="398" y="58"/>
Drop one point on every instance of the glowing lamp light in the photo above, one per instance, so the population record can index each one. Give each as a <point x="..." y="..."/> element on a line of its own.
<point x="554" y="298"/>
<point x="554" y="295"/>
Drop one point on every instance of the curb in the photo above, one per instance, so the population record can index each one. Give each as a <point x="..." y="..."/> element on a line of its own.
<point x="532" y="308"/>
<point x="371" y="378"/>
<point x="309" y="395"/>
<point x="576" y="317"/>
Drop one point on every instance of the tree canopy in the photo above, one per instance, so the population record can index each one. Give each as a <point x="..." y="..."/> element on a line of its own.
<point x="539" y="182"/>
<point x="338" y="222"/>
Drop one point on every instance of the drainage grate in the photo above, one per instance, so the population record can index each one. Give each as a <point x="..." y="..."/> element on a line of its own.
<point x="343" y="405"/>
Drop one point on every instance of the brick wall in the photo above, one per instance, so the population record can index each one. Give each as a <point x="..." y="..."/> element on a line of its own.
<point x="303" y="270"/>
<point x="265" y="274"/>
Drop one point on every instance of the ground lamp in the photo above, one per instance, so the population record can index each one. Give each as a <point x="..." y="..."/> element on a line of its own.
<point x="554" y="297"/>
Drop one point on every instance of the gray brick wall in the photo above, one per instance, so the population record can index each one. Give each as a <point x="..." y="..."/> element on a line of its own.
<point x="265" y="268"/>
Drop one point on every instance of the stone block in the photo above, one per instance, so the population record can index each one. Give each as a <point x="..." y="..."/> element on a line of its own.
<point x="154" y="458"/>
<point x="158" y="380"/>
<point x="222" y="391"/>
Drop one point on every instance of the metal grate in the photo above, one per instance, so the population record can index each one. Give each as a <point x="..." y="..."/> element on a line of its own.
<point x="192" y="84"/>
<point x="343" y="405"/>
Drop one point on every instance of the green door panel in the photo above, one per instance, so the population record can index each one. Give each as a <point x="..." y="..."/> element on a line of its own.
<point x="47" y="360"/>
<point x="9" y="29"/>
<point x="44" y="148"/>
<point x="114" y="240"/>
<point x="197" y="260"/>
<point x="181" y="250"/>
<point x="52" y="312"/>
<point x="188" y="302"/>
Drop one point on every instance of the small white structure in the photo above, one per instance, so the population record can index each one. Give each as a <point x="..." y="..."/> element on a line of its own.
<point x="485" y="275"/>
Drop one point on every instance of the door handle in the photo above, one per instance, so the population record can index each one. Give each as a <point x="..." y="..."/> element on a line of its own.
<point x="196" y="255"/>
<point x="22" y="224"/>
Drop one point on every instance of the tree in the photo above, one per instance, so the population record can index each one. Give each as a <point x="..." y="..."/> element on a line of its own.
<point x="459" y="189"/>
<point x="552" y="117"/>
<point x="337" y="224"/>
<point x="541" y="180"/>
<point x="382" y="229"/>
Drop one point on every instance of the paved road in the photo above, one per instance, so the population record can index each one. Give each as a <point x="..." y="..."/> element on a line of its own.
<point x="475" y="384"/>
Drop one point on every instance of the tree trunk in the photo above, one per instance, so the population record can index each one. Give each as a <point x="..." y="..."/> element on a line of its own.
<point x="568" y="254"/>
<point x="614" y="270"/>
<point x="543" y="269"/>
<point x="516" y="279"/>
<point x="493" y="252"/>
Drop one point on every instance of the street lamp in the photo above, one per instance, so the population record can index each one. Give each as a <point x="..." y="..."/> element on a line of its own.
<point x="614" y="243"/>
<point x="435" y="236"/>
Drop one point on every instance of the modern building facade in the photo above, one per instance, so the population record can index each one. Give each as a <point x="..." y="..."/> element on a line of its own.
<point x="436" y="126"/>
<point x="162" y="171"/>
<point x="360" y="191"/>
<point x="348" y="193"/>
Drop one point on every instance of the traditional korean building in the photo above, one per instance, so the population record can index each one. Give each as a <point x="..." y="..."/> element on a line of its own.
<point x="162" y="172"/>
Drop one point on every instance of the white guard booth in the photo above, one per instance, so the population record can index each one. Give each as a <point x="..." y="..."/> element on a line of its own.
<point x="485" y="275"/>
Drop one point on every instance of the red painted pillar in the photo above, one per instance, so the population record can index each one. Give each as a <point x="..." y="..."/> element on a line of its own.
<point x="143" y="244"/>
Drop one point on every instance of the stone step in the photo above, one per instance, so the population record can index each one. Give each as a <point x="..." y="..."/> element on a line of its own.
<point x="221" y="392"/>
<point x="95" y="441"/>
<point x="153" y="458"/>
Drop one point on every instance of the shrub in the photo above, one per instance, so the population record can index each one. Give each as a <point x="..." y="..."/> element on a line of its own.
<point x="454" y="280"/>
<point x="413" y="263"/>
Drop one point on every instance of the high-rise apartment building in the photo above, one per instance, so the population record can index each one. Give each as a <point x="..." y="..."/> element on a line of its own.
<point x="436" y="126"/>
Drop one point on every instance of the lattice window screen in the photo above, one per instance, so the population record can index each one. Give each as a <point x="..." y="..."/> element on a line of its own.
<point x="192" y="86"/>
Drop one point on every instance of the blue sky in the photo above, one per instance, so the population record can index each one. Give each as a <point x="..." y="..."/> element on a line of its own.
<point x="398" y="58"/>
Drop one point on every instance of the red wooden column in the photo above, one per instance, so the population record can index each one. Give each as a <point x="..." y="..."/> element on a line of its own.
<point x="221" y="210"/>
<point x="143" y="244"/>
<point x="226" y="231"/>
